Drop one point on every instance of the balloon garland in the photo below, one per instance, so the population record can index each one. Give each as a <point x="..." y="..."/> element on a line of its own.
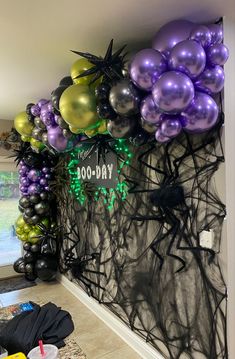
<point x="168" y="88"/>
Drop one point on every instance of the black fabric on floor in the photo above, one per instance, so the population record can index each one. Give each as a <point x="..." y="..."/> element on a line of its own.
<point x="49" y="323"/>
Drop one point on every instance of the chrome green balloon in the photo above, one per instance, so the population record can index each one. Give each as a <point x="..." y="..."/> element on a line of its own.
<point x="22" y="124"/>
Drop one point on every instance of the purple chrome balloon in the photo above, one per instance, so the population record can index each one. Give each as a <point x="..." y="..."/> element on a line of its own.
<point x="49" y="106"/>
<point x="35" y="110"/>
<point x="171" y="126"/>
<point x="149" y="111"/>
<point x="211" y="80"/>
<point x="173" y="92"/>
<point x="46" y="170"/>
<point x="56" y="138"/>
<point x="201" y="114"/>
<point x="188" y="57"/>
<point x="202" y="35"/>
<point x="160" y="137"/>
<point x="217" y="34"/>
<point x="146" y="67"/>
<point x="43" y="182"/>
<point x="217" y="54"/>
<point x="34" y="175"/>
<point x="34" y="188"/>
<point x="171" y="34"/>
<point x="25" y="182"/>
<point x="42" y="102"/>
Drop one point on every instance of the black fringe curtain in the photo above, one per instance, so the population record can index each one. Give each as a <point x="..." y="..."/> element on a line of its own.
<point x="143" y="258"/>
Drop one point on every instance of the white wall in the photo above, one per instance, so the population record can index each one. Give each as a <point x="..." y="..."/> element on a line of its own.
<point x="229" y="28"/>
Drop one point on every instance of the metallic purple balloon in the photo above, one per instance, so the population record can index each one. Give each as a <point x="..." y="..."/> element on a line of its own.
<point x="23" y="188"/>
<point x="171" y="34"/>
<point x="48" y="176"/>
<point x="56" y="138"/>
<point x="46" y="170"/>
<point x="149" y="111"/>
<point x="35" y="110"/>
<point x="146" y="67"/>
<point x="188" y="57"/>
<point x="217" y="34"/>
<point x="49" y="106"/>
<point x="42" y="102"/>
<point x="202" y="113"/>
<point x="201" y="34"/>
<point x="25" y="182"/>
<point x="43" y="182"/>
<point x="160" y="137"/>
<point x="173" y="92"/>
<point x="24" y="168"/>
<point x="217" y="54"/>
<point x="171" y="126"/>
<point x="34" y="175"/>
<point x="34" y="188"/>
<point x="211" y="80"/>
<point x="47" y="188"/>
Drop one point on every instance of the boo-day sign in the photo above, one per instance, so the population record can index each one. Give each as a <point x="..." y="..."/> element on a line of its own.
<point x="103" y="173"/>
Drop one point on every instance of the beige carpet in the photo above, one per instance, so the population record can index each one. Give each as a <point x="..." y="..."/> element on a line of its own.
<point x="71" y="349"/>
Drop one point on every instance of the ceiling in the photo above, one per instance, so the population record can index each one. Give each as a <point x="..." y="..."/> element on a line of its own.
<point x="36" y="36"/>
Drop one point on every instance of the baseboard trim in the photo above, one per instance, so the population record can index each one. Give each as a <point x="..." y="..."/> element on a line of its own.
<point x="132" y="339"/>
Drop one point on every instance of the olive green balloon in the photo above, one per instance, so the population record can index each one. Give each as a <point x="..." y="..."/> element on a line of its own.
<point x="78" y="107"/>
<point x="20" y="221"/>
<point x="33" y="236"/>
<point x="22" y="124"/>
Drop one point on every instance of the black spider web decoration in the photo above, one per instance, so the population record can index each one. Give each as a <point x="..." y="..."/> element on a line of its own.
<point x="143" y="259"/>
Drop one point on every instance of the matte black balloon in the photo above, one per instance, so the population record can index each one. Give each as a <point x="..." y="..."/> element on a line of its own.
<point x="42" y="208"/>
<point x="61" y="122"/>
<point x="122" y="127"/>
<point x="46" y="268"/>
<point x="24" y="202"/>
<point x="33" y="160"/>
<point x="29" y="257"/>
<point x="55" y="111"/>
<point x="39" y="124"/>
<point x="19" y="265"/>
<point x="34" y="198"/>
<point x="29" y="212"/>
<point x="27" y="246"/>
<point x="66" y="81"/>
<point x="29" y="267"/>
<point x="148" y="126"/>
<point x="28" y="108"/>
<point x="35" y="248"/>
<point x="140" y="138"/>
<point x="45" y="138"/>
<point x="43" y="196"/>
<point x="35" y="219"/>
<point x="106" y="111"/>
<point x="102" y="91"/>
<point x="124" y="98"/>
<point x="31" y="118"/>
<point x="56" y="95"/>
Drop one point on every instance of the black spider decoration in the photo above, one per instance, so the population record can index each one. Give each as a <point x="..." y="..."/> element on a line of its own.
<point x="110" y="66"/>
<point x="48" y="238"/>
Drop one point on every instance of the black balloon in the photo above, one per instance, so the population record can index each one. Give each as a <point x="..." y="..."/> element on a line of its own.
<point x="35" y="248"/>
<point x="56" y="95"/>
<point x="28" y="108"/>
<point x="19" y="265"/>
<point x="43" y="196"/>
<point x="27" y="219"/>
<point x="24" y="202"/>
<point x="124" y="98"/>
<point x="33" y="160"/>
<point x="29" y="257"/>
<point x="21" y="209"/>
<point x="122" y="127"/>
<point x="42" y="208"/>
<point x="67" y="133"/>
<point x="61" y="122"/>
<point x="106" y="111"/>
<point x="35" y="219"/>
<point x="35" y="198"/>
<point x="27" y="246"/>
<point x="29" y="267"/>
<point x="29" y="212"/>
<point x="102" y="91"/>
<point x="46" y="268"/>
<point x="30" y="276"/>
<point x="66" y="81"/>
<point x="45" y="138"/>
<point x="39" y="124"/>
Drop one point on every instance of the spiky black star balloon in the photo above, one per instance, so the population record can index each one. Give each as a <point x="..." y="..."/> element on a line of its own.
<point x="110" y="66"/>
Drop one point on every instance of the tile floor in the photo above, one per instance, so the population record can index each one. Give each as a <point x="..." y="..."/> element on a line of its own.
<point x="91" y="334"/>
